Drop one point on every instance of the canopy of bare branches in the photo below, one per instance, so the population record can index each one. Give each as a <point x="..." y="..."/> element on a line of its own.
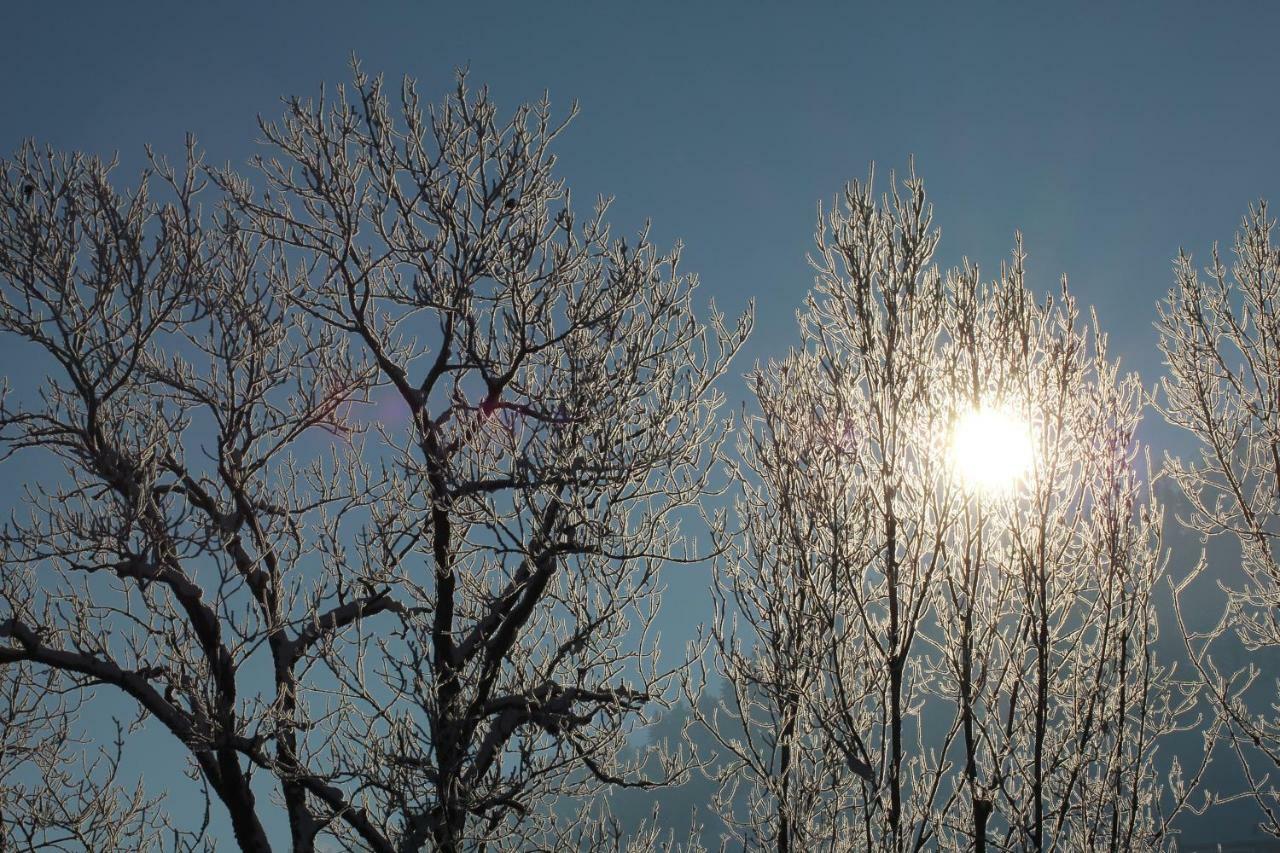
<point x="913" y="662"/>
<point x="351" y="478"/>
<point x="368" y="464"/>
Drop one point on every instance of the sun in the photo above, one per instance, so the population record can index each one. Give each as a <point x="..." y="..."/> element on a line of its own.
<point x="991" y="450"/>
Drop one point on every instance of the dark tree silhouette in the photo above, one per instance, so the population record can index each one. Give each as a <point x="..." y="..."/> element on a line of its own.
<point x="367" y="475"/>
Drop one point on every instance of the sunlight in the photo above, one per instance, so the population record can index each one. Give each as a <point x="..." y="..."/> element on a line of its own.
<point x="991" y="449"/>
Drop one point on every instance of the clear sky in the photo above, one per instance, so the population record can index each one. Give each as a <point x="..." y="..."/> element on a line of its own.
<point x="1110" y="136"/>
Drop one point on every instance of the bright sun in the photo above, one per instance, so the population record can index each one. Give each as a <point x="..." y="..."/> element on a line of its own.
<point x="991" y="450"/>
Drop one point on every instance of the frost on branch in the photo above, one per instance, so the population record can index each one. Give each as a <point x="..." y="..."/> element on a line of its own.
<point x="913" y="661"/>
<point x="1219" y="334"/>
<point x="368" y="467"/>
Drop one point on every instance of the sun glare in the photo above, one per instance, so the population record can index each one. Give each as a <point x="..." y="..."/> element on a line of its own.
<point x="991" y="450"/>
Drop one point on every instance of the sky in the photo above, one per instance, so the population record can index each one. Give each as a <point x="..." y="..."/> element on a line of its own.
<point x="1109" y="134"/>
<point x="1110" y="137"/>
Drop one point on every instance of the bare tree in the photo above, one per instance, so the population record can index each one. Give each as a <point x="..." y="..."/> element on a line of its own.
<point x="832" y="573"/>
<point x="366" y="476"/>
<point x="1221" y="340"/>
<point x="913" y="661"/>
<point x="1046" y="627"/>
<point x="58" y="798"/>
<point x="775" y="628"/>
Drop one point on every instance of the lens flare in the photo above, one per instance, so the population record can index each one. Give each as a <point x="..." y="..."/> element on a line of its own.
<point x="991" y="450"/>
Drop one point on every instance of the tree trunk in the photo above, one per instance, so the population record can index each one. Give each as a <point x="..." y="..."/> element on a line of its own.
<point x="785" y="826"/>
<point x="1042" y="708"/>
<point x="895" y="680"/>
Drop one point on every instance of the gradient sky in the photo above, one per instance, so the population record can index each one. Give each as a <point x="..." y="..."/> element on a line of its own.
<point x="1110" y="137"/>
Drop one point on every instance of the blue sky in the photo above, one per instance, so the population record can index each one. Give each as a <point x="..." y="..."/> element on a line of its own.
<point x="1109" y="136"/>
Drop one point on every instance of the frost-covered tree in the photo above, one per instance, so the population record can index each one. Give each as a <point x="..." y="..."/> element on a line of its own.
<point x="357" y="483"/>
<point x="1220" y="335"/>
<point x="60" y="793"/>
<point x="915" y="660"/>
<point x="1045" y="629"/>
<point x="831" y="576"/>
